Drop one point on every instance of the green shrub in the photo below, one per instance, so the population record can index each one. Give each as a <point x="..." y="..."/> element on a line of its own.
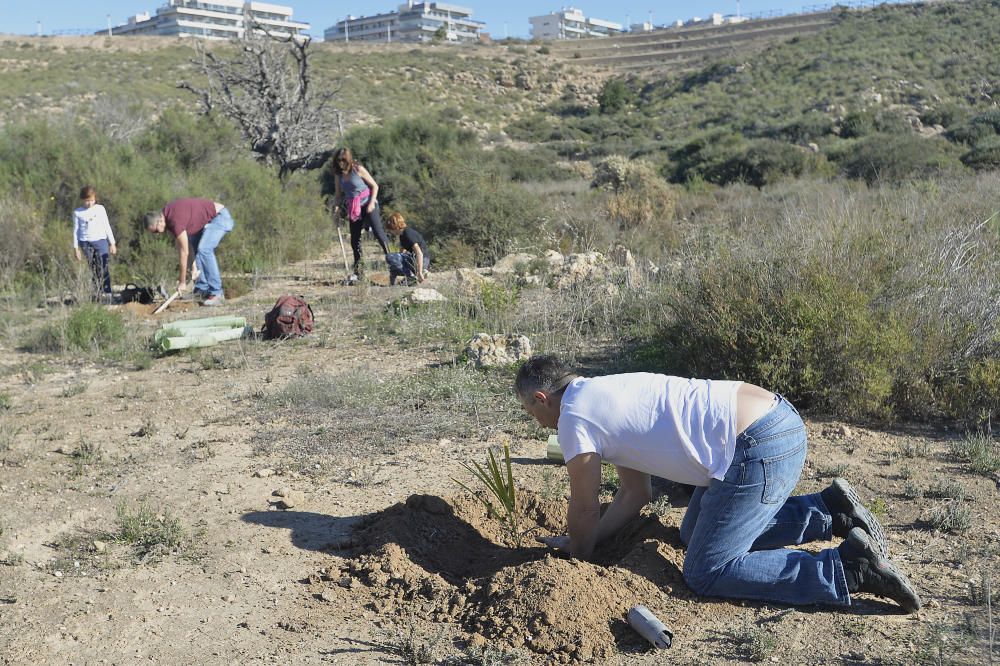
<point x="704" y="155"/>
<point x="808" y="127"/>
<point x="857" y="124"/>
<point x="149" y="533"/>
<point x="896" y="157"/>
<point x="19" y="220"/>
<point x="756" y="643"/>
<point x="788" y="324"/>
<point x="766" y="161"/>
<point x="452" y="253"/>
<point x="535" y="165"/>
<point x="275" y="222"/>
<point x="980" y="451"/>
<point x="840" y="299"/>
<point x="190" y="141"/>
<point x="638" y="197"/>
<point x="970" y="133"/>
<point x="530" y="127"/>
<point x="953" y="517"/>
<point x="474" y="201"/>
<point x="87" y="328"/>
<point x="615" y="95"/>
<point x="979" y="129"/>
<point x="8" y="434"/>
<point x="984" y="155"/>
<point x="402" y="154"/>
<point x="946" y="115"/>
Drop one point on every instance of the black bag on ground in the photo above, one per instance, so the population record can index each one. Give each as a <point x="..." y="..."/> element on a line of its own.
<point x="291" y="317"/>
<point x="133" y="294"/>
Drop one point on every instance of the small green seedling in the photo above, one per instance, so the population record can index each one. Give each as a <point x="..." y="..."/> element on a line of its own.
<point x="501" y="487"/>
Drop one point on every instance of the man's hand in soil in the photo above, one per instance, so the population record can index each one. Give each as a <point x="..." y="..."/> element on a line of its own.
<point x="560" y="543"/>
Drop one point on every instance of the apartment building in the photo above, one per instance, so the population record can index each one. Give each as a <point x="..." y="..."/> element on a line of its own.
<point x="216" y="19"/>
<point x="411" y="22"/>
<point x="570" y="23"/>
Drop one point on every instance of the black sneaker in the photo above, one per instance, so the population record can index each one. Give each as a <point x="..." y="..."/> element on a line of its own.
<point x="848" y="512"/>
<point x="867" y="570"/>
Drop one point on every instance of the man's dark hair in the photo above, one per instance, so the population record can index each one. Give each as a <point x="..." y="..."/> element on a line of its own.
<point x="543" y="372"/>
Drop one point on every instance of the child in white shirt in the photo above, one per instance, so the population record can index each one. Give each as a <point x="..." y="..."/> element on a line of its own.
<point x="92" y="236"/>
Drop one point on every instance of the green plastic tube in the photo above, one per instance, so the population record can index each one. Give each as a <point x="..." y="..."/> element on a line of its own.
<point x="202" y="338"/>
<point x="208" y="322"/>
<point x="182" y="328"/>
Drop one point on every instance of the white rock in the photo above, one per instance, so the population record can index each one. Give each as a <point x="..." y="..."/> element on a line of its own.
<point x="583" y="267"/>
<point x="419" y="295"/>
<point x="289" y="498"/>
<point x="485" y="350"/>
<point x="470" y="281"/>
<point x="554" y="259"/>
<point x="511" y="262"/>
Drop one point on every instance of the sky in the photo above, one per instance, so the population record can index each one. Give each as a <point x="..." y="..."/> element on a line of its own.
<point x="503" y="18"/>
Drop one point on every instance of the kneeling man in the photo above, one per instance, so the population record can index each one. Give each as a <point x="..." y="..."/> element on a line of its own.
<point x="742" y="447"/>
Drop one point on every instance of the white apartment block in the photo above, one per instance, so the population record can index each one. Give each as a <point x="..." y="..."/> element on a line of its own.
<point x="412" y="22"/>
<point x="570" y="23"/>
<point x="215" y="19"/>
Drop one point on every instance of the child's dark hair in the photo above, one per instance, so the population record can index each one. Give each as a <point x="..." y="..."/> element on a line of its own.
<point x="87" y="191"/>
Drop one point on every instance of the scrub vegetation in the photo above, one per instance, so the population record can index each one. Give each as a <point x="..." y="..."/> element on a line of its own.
<point x="885" y="95"/>
<point x="819" y="217"/>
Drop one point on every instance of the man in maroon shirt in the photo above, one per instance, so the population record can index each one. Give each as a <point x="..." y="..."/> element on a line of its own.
<point x="198" y="226"/>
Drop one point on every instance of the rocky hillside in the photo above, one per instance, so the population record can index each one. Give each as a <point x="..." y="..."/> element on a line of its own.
<point x="687" y="48"/>
<point x="484" y="87"/>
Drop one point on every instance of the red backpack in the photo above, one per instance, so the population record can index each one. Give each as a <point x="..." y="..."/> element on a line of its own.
<point x="291" y="317"/>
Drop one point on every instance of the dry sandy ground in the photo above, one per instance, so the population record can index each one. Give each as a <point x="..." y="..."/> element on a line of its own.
<point x="258" y="585"/>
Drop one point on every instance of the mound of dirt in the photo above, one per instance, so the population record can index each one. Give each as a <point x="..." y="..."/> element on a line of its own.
<point x="146" y="310"/>
<point x="447" y="557"/>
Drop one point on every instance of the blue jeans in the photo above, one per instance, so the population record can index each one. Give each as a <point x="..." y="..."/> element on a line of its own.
<point x="735" y="529"/>
<point x="210" y="279"/>
<point x="96" y="253"/>
<point x="403" y="264"/>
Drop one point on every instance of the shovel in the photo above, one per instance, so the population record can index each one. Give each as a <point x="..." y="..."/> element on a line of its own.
<point x="338" y="221"/>
<point x="163" y="306"/>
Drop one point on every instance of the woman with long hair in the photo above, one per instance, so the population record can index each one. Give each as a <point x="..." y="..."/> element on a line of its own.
<point x="356" y="198"/>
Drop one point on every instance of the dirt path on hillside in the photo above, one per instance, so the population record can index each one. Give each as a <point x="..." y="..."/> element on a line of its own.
<point x="380" y="550"/>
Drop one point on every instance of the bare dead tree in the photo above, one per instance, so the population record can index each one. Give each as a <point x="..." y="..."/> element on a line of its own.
<point x="268" y="91"/>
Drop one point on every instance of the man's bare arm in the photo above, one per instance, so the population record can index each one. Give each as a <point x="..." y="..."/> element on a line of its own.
<point x="181" y="242"/>
<point x="635" y="492"/>
<point x="584" y="506"/>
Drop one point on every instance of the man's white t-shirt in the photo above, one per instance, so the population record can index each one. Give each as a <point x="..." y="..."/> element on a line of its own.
<point x="680" y="429"/>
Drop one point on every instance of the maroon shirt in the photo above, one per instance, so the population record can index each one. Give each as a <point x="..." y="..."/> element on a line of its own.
<point x="190" y="215"/>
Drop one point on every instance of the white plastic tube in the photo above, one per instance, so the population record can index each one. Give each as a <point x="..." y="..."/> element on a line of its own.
<point x="649" y="626"/>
